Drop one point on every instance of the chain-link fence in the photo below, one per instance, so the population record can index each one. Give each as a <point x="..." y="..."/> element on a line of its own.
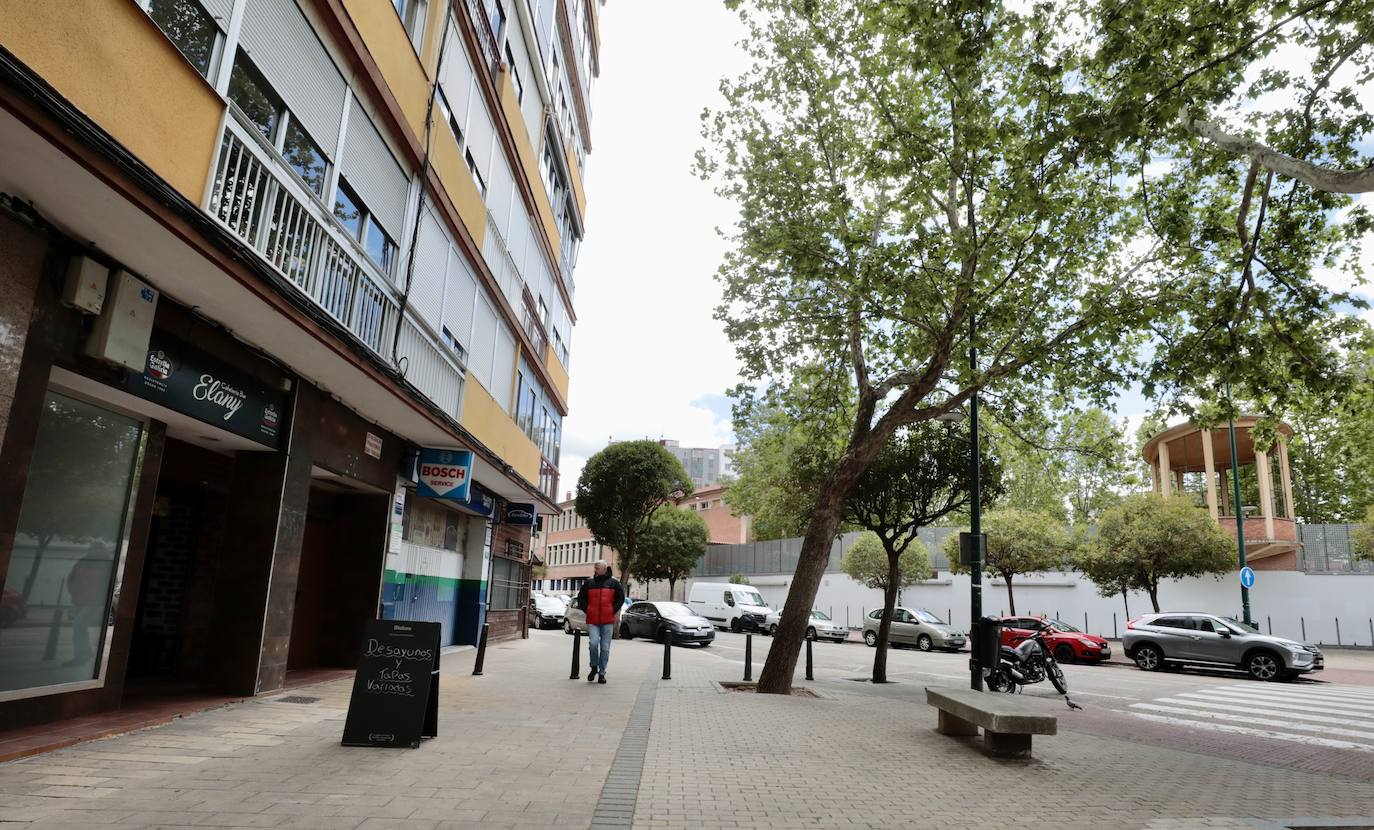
<point x="780" y="556"/>
<point x="1326" y="549"/>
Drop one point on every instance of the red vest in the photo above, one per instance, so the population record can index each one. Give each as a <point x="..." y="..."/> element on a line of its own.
<point x="601" y="604"/>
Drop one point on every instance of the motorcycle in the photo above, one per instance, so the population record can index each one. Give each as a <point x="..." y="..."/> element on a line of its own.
<point x="1031" y="661"/>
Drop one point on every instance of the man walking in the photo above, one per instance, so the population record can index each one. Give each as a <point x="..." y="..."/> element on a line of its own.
<point x="600" y="599"/>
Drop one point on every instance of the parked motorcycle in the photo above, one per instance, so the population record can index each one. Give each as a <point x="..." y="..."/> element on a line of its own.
<point x="1031" y="661"/>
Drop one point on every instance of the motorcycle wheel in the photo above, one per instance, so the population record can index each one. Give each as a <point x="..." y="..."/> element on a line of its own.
<point x="1057" y="678"/>
<point x="1000" y="683"/>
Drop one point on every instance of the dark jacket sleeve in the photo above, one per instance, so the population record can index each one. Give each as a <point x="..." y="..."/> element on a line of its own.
<point x="619" y="596"/>
<point x="582" y="597"/>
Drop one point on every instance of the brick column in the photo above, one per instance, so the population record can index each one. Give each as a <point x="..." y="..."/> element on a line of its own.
<point x="255" y="592"/>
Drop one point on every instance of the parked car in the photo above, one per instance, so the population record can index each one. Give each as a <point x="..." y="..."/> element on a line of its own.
<point x="13" y="608"/>
<point x="546" y="612"/>
<point x="662" y="620"/>
<point x="1067" y="643"/>
<point x="917" y="627"/>
<point x="727" y="605"/>
<point x="818" y="627"/>
<point x="1177" y="639"/>
<point x="574" y="620"/>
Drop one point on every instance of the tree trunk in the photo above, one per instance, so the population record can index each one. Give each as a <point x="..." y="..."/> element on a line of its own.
<point x="672" y="589"/>
<point x="885" y="627"/>
<point x="1153" y="588"/>
<point x="1011" y="599"/>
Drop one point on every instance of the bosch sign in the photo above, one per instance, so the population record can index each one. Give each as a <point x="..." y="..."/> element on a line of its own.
<point x="444" y="474"/>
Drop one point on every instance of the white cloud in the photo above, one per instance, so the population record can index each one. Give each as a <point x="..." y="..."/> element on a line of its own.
<point x="646" y="350"/>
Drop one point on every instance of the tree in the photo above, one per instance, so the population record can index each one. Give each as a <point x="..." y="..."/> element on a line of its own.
<point x="738" y="579"/>
<point x="1019" y="542"/>
<point x="1101" y="470"/>
<point x="1362" y="539"/>
<point x="670" y="546"/>
<point x="1155" y="537"/>
<point x="919" y="477"/>
<point x="620" y="489"/>
<point x="1106" y="569"/>
<point x="1332" y="449"/>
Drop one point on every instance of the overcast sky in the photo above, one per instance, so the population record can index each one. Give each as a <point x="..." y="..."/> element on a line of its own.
<point x="648" y="358"/>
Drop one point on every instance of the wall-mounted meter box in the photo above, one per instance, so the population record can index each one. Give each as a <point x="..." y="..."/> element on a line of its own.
<point x="84" y="287"/>
<point x="121" y="333"/>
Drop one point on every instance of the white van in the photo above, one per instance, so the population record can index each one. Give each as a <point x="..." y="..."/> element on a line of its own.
<point x="727" y="605"/>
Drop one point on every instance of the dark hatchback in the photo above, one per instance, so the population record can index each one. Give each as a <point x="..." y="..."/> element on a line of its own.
<point x="662" y="620"/>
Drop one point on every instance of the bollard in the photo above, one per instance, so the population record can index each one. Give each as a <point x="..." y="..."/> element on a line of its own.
<point x="1303" y="622"/>
<point x="1114" y="636"/>
<point x="1371" y="632"/>
<point x="846" y="616"/>
<point x="481" y="651"/>
<point x="668" y="658"/>
<point x="1338" y="631"/>
<point x="748" y="657"/>
<point x="949" y="617"/>
<point x="577" y="655"/>
<point x="1269" y="621"/>
<point x="809" y="674"/>
<point x="1085" y="622"/>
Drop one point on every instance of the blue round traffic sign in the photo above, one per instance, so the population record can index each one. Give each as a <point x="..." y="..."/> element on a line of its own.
<point x="1247" y="577"/>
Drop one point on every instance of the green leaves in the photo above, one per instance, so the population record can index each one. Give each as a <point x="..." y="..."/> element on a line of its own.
<point x="621" y="487"/>
<point x="867" y="562"/>
<point x="671" y="545"/>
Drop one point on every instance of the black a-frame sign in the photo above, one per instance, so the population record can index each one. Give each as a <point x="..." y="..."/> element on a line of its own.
<point x="395" y="699"/>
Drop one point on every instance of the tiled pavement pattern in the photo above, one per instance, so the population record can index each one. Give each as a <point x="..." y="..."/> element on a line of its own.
<point x="524" y="747"/>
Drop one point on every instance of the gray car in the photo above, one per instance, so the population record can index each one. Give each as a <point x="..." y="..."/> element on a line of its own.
<point x="1173" y="640"/>
<point x="916" y="627"/>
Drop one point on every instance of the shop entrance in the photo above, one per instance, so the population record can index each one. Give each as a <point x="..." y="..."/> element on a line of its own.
<point x="342" y="555"/>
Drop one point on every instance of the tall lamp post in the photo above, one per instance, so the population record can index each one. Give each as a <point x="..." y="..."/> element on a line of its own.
<point x="972" y="546"/>
<point x="1235" y="500"/>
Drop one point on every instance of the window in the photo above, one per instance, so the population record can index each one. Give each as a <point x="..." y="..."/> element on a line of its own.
<point x="454" y="346"/>
<point x="496" y="17"/>
<point x="363" y="226"/>
<point x="412" y="16"/>
<point x="190" y="28"/>
<point x="254" y="97"/>
<point x="1171" y="622"/>
<point x="515" y="75"/>
<point x="305" y="157"/>
<point x="476" y="173"/>
<point x="446" y="112"/>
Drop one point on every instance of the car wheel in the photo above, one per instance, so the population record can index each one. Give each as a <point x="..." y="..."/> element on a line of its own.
<point x="1149" y="658"/>
<point x="924" y="642"/>
<point x="1264" y="665"/>
<point x="567" y="627"/>
<point x="1064" y="653"/>
<point x="810" y="633"/>
<point x="871" y="638"/>
<point x="734" y="625"/>
<point x="625" y="632"/>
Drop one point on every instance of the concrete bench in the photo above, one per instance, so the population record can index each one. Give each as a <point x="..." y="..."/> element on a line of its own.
<point x="1008" y="721"/>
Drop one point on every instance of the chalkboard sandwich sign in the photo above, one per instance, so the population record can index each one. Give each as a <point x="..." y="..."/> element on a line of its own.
<point x="395" y="699"/>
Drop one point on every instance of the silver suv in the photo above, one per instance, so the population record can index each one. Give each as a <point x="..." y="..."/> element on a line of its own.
<point x="1156" y="641"/>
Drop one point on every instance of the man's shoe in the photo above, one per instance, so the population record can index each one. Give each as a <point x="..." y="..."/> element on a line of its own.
<point x="601" y="678"/>
<point x="591" y="675"/>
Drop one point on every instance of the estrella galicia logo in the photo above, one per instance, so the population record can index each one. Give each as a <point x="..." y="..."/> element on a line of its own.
<point x="270" y="416"/>
<point x="159" y="366"/>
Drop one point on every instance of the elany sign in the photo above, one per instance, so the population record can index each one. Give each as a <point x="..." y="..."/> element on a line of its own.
<point x="444" y="474"/>
<point x="183" y="378"/>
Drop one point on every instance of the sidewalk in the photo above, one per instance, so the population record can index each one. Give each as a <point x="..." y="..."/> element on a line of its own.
<point x="525" y="747"/>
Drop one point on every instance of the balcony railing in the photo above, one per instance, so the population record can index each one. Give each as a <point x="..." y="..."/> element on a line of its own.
<point x="428" y="368"/>
<point x="486" y="36"/>
<point x="262" y="204"/>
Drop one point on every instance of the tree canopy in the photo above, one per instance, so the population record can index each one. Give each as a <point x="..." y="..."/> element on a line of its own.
<point x="1019" y="542"/>
<point x="1149" y="537"/>
<point x="866" y="562"/>
<point x="1362" y="539"/>
<point x="620" y="489"/>
<point x="670" y="546"/>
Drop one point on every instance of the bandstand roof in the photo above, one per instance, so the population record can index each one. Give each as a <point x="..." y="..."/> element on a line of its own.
<point x="1185" y="445"/>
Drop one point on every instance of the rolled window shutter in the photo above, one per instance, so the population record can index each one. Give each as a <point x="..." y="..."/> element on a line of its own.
<point x="503" y="379"/>
<point x="286" y="50"/>
<point x="431" y="260"/>
<point x="460" y="299"/>
<point x="483" y="343"/>
<point x="373" y="173"/>
<point x="220" y="11"/>
<point x="456" y="77"/>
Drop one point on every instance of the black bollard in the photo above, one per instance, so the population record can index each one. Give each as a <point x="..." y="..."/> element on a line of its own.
<point x="481" y="651"/>
<point x="668" y="658"/>
<point x="809" y="675"/>
<point x="748" y="657"/>
<point x="577" y="655"/>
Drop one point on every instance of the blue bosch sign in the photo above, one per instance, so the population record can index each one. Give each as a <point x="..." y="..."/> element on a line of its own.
<point x="444" y="474"/>
<point x="520" y="514"/>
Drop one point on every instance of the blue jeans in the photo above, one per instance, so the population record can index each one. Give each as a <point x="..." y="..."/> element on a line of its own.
<point x="599" y="645"/>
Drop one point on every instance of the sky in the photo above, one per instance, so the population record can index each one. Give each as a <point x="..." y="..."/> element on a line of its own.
<point x="648" y="358"/>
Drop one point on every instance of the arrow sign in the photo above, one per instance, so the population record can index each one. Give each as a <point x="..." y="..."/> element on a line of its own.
<point x="1247" y="577"/>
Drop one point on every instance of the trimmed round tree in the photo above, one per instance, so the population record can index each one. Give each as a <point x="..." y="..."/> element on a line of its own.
<point x="670" y="546"/>
<point x="619" y="490"/>
<point x="1019" y="542"/>
<point x="1156" y="537"/>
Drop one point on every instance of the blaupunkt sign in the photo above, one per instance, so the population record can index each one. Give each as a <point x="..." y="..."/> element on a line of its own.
<point x="444" y="474"/>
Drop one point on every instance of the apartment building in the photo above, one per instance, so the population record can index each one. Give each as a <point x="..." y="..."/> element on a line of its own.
<point x="286" y="310"/>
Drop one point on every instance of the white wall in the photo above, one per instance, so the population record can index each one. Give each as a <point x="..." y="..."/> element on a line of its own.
<point x="1286" y="602"/>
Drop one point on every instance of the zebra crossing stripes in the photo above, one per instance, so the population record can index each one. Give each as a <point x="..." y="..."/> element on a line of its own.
<point x="1339" y="717"/>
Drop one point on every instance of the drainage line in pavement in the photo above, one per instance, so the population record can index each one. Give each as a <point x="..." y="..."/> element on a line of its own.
<point x="616" y="806"/>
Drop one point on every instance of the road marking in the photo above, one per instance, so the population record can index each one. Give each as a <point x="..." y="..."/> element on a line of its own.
<point x="1352" y="693"/>
<point x="1258" y="733"/>
<point x="1296" y="697"/>
<point x="1249" y="709"/>
<point x="1276" y="703"/>
<point x="1257" y="721"/>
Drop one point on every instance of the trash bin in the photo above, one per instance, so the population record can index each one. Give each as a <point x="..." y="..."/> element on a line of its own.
<point x="987" y="638"/>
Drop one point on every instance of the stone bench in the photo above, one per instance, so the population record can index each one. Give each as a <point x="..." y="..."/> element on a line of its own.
<point x="1008" y="721"/>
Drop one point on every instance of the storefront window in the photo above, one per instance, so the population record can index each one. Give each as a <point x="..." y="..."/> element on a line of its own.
<point x="64" y="570"/>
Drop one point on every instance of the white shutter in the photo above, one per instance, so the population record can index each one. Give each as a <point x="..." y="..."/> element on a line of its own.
<point x="457" y="79"/>
<point x="220" y="10"/>
<point x="483" y="342"/>
<point x="373" y="173"/>
<point x="431" y="260"/>
<point x="503" y="376"/>
<point x="458" y="302"/>
<point x="286" y="50"/>
<point x="519" y="237"/>
<point x="500" y="188"/>
<point x="480" y="136"/>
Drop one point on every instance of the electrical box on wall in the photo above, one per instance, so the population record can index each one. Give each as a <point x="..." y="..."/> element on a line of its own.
<point x="84" y="287"/>
<point x="121" y="333"/>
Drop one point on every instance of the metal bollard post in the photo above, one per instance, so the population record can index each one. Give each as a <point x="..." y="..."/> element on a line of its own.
<point x="1338" y="631"/>
<point x="748" y="657"/>
<point x="1085" y="622"/>
<point x="481" y="651"/>
<point x="1269" y="621"/>
<point x="1371" y="632"/>
<point x="1303" y="622"/>
<point x="1114" y="634"/>
<point x="577" y="655"/>
<point x="667" y="658"/>
<point x="809" y="674"/>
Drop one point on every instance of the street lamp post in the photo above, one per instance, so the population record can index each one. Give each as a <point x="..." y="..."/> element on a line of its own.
<point x="974" y="556"/>
<point x="1235" y="501"/>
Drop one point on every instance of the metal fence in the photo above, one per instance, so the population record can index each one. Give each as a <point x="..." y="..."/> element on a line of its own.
<point x="780" y="556"/>
<point x="1326" y="549"/>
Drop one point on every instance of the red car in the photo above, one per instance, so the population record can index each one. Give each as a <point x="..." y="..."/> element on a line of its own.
<point x="1068" y="643"/>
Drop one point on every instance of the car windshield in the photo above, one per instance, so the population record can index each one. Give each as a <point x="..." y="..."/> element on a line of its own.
<point x="1230" y="626"/>
<point x="675" y="609"/>
<point x="548" y="604"/>
<point x="819" y="615"/>
<point x="1062" y="626"/>
<point x="925" y="616"/>
<point x="748" y="597"/>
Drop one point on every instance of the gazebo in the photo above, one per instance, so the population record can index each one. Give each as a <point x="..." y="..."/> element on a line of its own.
<point x="1187" y="459"/>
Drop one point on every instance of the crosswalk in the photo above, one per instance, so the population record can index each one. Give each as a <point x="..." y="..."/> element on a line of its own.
<point x="1338" y="717"/>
